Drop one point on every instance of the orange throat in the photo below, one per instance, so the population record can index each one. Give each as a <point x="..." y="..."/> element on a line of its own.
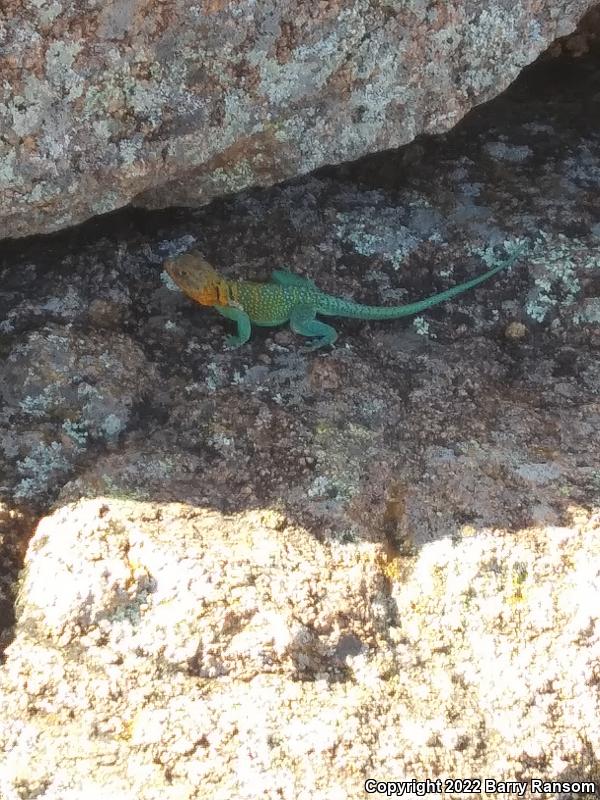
<point x="211" y="294"/>
<point x="207" y="296"/>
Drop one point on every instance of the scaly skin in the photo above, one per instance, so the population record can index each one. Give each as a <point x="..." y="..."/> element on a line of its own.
<point x="287" y="298"/>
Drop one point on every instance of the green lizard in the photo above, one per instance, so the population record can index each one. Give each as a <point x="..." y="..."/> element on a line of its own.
<point x="287" y="298"/>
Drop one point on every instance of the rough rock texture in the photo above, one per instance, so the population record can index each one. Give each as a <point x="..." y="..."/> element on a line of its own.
<point x="273" y="574"/>
<point x="185" y="653"/>
<point x="174" y="102"/>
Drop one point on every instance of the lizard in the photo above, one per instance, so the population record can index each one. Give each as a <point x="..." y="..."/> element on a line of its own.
<point x="287" y="298"/>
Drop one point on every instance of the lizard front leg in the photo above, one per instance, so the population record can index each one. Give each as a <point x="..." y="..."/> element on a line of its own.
<point x="244" y="327"/>
<point x="302" y="321"/>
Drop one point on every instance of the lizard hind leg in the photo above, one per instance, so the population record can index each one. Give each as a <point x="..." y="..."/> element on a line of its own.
<point x="302" y="321"/>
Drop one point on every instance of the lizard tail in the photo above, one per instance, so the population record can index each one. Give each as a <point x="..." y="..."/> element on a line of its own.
<point x="346" y="308"/>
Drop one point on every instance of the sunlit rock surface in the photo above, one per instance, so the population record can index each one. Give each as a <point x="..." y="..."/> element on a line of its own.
<point x="174" y="651"/>
<point x="174" y="103"/>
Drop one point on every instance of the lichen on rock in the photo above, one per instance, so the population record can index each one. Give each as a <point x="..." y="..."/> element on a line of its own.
<point x="174" y="103"/>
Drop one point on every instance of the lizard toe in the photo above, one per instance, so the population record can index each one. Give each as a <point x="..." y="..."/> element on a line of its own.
<point x="316" y="344"/>
<point x="233" y="342"/>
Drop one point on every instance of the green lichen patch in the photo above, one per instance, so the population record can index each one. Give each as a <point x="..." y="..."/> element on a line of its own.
<point x="558" y="263"/>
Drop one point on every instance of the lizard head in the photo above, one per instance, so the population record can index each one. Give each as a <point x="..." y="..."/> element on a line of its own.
<point x="195" y="276"/>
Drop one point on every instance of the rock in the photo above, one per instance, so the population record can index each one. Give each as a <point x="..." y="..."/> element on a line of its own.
<point x="515" y="330"/>
<point x="70" y="390"/>
<point x="106" y="104"/>
<point x="172" y="651"/>
<point x="272" y="573"/>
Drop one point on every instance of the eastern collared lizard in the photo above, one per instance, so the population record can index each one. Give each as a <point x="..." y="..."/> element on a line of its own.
<point x="288" y="298"/>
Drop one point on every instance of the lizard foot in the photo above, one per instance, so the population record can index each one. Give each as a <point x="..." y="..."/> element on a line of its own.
<point x="315" y="344"/>
<point x="233" y="342"/>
